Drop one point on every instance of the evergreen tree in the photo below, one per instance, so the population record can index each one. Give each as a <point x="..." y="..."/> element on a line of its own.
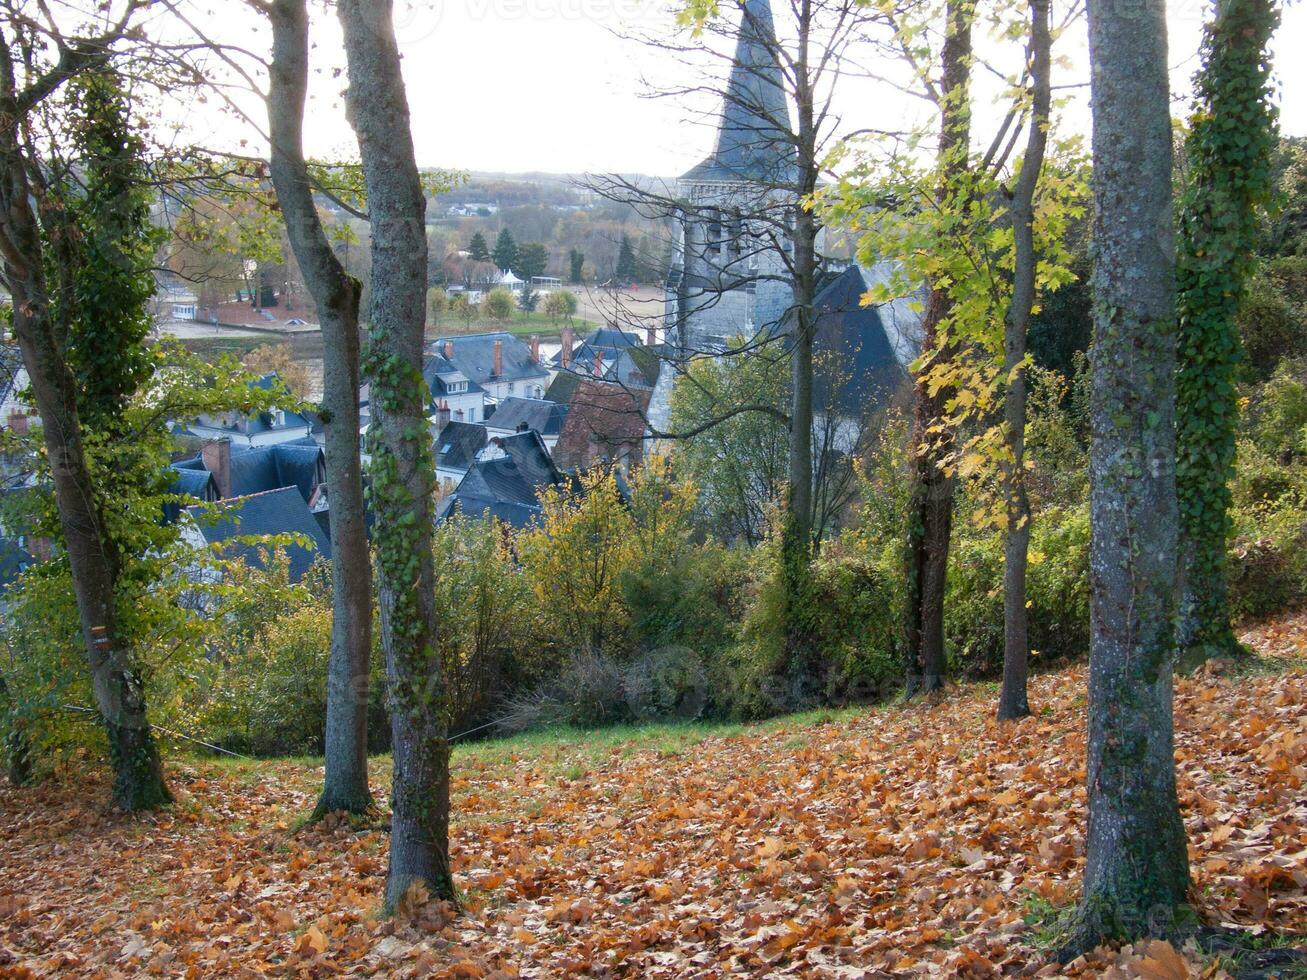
<point x="478" y="249"/>
<point x="505" y="254"/>
<point x="625" y="261"/>
<point x="576" y="263"/>
<point x="532" y="259"/>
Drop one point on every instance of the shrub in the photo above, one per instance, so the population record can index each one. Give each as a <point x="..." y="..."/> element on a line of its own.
<point x="499" y="304"/>
<point x="483" y="607"/>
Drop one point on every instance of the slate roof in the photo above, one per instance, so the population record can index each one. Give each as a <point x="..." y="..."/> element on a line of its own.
<point x="261" y="422"/>
<point x="11" y="372"/>
<point x="562" y="388"/>
<point x="861" y="366"/>
<point x="281" y="511"/>
<point x="623" y="356"/>
<point x="438" y="373"/>
<point x="751" y="141"/>
<point x="458" y="443"/>
<point x="506" y="486"/>
<point x="191" y="482"/>
<point x="300" y="463"/>
<point x="474" y="355"/>
<point x="540" y="414"/>
<point x="605" y="418"/>
<point x="13" y="562"/>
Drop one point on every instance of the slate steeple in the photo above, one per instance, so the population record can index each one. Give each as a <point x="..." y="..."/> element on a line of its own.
<point x="751" y="138"/>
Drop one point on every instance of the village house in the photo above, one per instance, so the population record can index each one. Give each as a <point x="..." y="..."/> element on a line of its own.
<point x="505" y="481"/>
<point x="259" y="429"/>
<point x="517" y="414"/>
<point x="613" y="354"/>
<point x="605" y="425"/>
<point x="456" y="446"/>
<point x="453" y="390"/>
<point x="277" y="489"/>
<point x="499" y="362"/>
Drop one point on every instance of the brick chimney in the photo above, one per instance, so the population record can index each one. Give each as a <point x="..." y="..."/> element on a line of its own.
<point x="442" y="415"/>
<point x="449" y="350"/>
<point x="216" y="455"/>
<point x="651" y="336"/>
<point x="565" y="355"/>
<point x="18" y="422"/>
<point x="535" y="347"/>
<point x="599" y="364"/>
<point x="499" y="358"/>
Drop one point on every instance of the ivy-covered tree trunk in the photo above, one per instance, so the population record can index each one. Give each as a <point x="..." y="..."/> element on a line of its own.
<point x="1136" y="863"/>
<point x="92" y="552"/>
<point x="336" y="294"/>
<point x="1013" y="700"/>
<point x="403" y="470"/>
<point x="1229" y="149"/>
<point x="930" y="504"/>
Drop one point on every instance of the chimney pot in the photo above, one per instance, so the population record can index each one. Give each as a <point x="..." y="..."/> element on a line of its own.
<point x="651" y="336"/>
<point x="449" y="350"/>
<point x="216" y="455"/>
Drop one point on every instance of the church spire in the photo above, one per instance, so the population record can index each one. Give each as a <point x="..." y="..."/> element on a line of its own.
<point x="752" y="138"/>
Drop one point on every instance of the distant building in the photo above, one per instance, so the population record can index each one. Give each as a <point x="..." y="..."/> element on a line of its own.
<point x="728" y="277"/>
<point x="613" y="354"/>
<point x="517" y="414"/>
<point x="15" y="411"/>
<point x="260" y="429"/>
<point x="505" y="481"/>
<point x="605" y="425"/>
<point x="271" y="512"/>
<point x="499" y="362"/>
<point x="452" y="389"/>
<point x="456" y="446"/>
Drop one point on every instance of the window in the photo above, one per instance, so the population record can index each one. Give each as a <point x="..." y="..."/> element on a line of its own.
<point x="457" y="387"/>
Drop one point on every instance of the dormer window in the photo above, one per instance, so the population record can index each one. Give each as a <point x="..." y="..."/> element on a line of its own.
<point x="457" y="387"/>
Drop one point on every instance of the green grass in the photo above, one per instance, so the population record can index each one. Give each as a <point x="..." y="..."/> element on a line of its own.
<point x="520" y="325"/>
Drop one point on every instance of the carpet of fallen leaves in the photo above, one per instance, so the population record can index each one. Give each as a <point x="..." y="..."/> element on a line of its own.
<point x="875" y="842"/>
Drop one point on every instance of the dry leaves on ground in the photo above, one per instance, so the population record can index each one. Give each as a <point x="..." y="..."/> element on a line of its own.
<point x="881" y="842"/>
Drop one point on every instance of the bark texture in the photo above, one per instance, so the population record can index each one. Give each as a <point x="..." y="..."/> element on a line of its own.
<point x="1013" y="700"/>
<point x="1136" y="867"/>
<point x="92" y="553"/>
<point x="403" y="474"/>
<point x="930" y="505"/>
<point x="336" y="294"/>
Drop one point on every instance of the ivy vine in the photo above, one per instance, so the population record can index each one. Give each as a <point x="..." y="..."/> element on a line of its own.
<point x="1231" y="138"/>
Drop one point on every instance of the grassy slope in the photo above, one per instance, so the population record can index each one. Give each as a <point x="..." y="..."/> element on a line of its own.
<point x="830" y="844"/>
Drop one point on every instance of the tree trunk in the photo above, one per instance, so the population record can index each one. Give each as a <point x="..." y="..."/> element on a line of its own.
<point x="403" y="470"/>
<point x="797" y="533"/>
<point x="92" y="554"/>
<point x="336" y="294"/>
<point x="1013" y="701"/>
<point x="1136" y="864"/>
<point x="1230" y="142"/>
<point x="930" y="508"/>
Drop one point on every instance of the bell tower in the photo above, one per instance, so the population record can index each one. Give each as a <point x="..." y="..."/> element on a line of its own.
<point x="728" y="274"/>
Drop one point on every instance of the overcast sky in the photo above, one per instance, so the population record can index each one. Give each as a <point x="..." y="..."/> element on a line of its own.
<point x="562" y="85"/>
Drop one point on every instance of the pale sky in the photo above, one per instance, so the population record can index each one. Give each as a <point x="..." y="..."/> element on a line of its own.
<point x="561" y="86"/>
